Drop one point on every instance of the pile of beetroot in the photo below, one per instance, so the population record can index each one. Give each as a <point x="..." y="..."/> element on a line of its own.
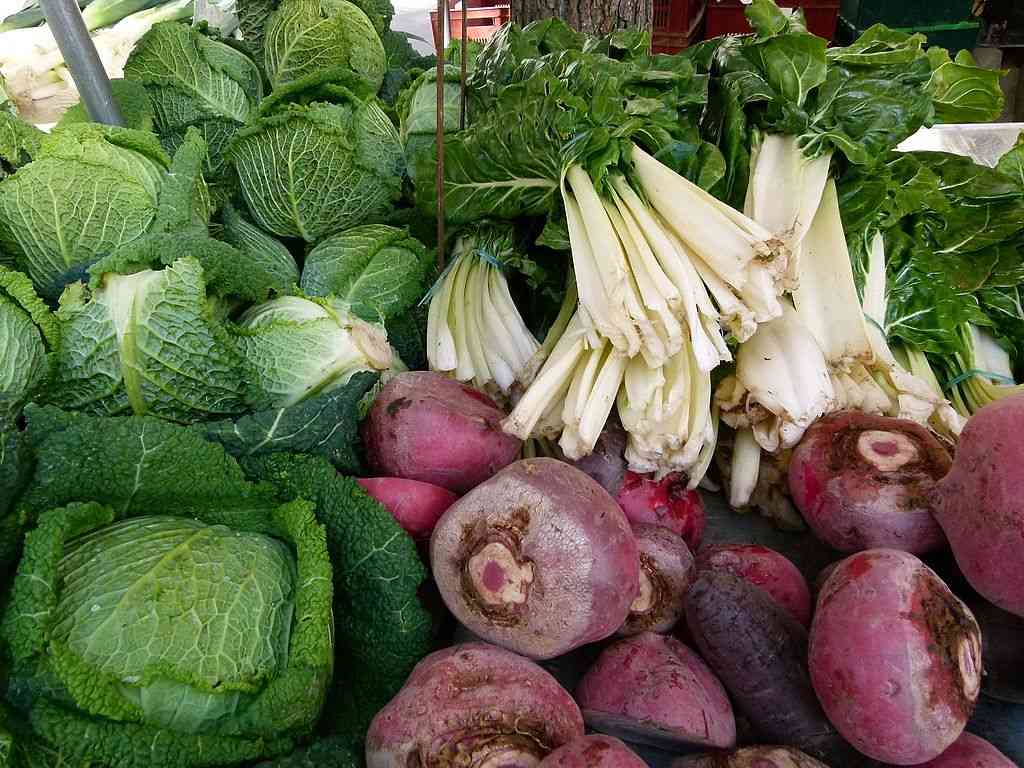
<point x="718" y="654"/>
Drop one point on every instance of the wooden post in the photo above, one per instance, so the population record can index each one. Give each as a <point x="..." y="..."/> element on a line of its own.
<point x="595" y="17"/>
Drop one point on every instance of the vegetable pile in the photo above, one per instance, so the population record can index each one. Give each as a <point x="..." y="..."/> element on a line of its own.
<point x="285" y="481"/>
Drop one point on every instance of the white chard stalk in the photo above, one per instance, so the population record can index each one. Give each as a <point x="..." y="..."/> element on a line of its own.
<point x="784" y="193"/>
<point x="474" y="331"/>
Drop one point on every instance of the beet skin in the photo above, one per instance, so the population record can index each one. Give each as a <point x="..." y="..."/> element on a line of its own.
<point x="970" y="751"/>
<point x="863" y="481"/>
<point x="751" y="757"/>
<point x="415" y="505"/>
<point x="596" y="751"/>
<point x="980" y="503"/>
<point x="895" y="657"/>
<point x="758" y="650"/>
<point x="764" y="568"/>
<point x="666" y="570"/>
<point x="666" y="502"/>
<point x="476" y="703"/>
<point x="538" y="559"/>
<point x="425" y="426"/>
<point x="652" y="689"/>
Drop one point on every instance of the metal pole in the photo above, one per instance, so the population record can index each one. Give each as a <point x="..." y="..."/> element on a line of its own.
<point x="442" y="17"/>
<point x="68" y="27"/>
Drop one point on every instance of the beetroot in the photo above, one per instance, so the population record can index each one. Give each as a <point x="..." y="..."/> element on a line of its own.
<point x="894" y="656"/>
<point x="475" y="704"/>
<point x="595" y="751"/>
<point x="538" y="559"/>
<point x="969" y="751"/>
<point x="425" y="426"/>
<point x="751" y="757"/>
<point x="665" y="502"/>
<point x="607" y="462"/>
<point x="415" y="505"/>
<point x="666" y="570"/>
<point x="862" y="481"/>
<point x="980" y="503"/>
<point x="758" y="650"/>
<point x="764" y="568"/>
<point x="652" y="689"/>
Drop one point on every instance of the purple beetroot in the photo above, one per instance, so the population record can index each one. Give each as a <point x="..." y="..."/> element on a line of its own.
<point x="970" y="751"/>
<point x="764" y="568"/>
<point x="417" y="506"/>
<point x="538" y="559"/>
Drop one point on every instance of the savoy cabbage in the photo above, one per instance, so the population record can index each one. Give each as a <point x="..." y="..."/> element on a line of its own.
<point x="309" y="171"/>
<point x="88" y="190"/>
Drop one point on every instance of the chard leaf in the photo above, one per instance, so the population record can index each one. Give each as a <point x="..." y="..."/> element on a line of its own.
<point x="1011" y="164"/>
<point x="963" y="92"/>
<point x="377" y="270"/>
<point x="325" y="425"/>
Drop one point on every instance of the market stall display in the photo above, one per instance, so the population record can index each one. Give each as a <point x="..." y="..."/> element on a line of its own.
<point x="354" y="413"/>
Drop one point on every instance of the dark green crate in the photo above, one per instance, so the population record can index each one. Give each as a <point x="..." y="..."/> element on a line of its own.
<point x="955" y="37"/>
<point x="904" y="13"/>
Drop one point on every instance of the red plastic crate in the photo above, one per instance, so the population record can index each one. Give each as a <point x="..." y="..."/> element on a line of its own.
<point x="481" y="22"/>
<point x="677" y="25"/>
<point x="726" y="16"/>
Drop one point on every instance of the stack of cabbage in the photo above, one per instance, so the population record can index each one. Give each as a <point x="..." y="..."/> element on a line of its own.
<point x="193" y="310"/>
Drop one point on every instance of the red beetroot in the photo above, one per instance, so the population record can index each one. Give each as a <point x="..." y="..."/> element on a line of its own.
<point x="862" y="481"/>
<point x="425" y="426"/>
<point x="665" y="502"/>
<point x="764" y="568"/>
<point x="538" y="559"/>
<point x="666" y="570"/>
<point x="415" y="505"/>
<point x="478" y="702"/>
<point x="970" y="751"/>
<point x="895" y="657"/>
<point x="652" y="689"/>
<point x="980" y="503"/>
<point x="594" y="751"/>
<point x="751" y="757"/>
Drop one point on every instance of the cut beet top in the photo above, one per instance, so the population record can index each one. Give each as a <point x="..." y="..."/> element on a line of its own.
<point x="538" y="559"/>
<point x="863" y="481"/>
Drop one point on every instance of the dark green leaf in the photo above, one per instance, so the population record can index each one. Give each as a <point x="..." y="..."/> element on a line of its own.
<point x="325" y="425"/>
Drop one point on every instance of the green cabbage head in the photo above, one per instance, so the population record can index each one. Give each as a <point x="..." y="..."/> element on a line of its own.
<point x="311" y="171"/>
<point x="304" y="37"/>
<point x="174" y="630"/>
<point x="146" y="342"/>
<point x="296" y="348"/>
<point x="28" y="333"/>
<point x="88" y="190"/>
